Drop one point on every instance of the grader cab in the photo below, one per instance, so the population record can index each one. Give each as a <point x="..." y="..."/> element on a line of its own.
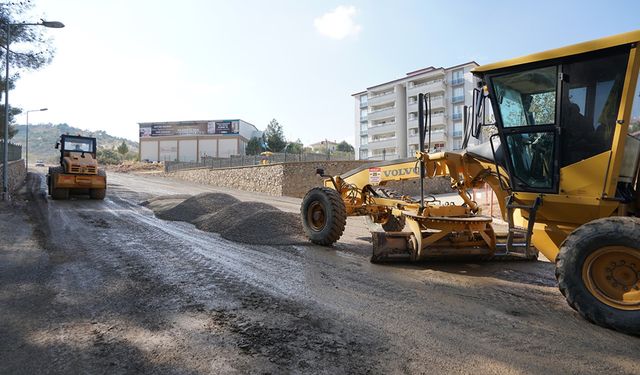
<point x="78" y="171"/>
<point x="563" y="163"/>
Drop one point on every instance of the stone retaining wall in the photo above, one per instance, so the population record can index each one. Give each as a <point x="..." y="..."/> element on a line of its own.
<point x="294" y="179"/>
<point x="16" y="176"/>
<point x="263" y="179"/>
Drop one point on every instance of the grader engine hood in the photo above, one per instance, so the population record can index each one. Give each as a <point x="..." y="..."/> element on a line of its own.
<point x="76" y="162"/>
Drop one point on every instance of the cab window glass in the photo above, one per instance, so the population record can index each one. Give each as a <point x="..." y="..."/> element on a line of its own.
<point x="78" y="144"/>
<point x="590" y="101"/>
<point x="634" y="125"/>
<point x="532" y="159"/>
<point x="527" y="98"/>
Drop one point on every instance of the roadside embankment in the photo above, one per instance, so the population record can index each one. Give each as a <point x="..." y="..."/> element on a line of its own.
<point x="294" y="179"/>
<point x="17" y="174"/>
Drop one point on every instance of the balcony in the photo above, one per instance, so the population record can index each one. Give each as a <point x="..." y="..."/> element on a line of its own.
<point x="457" y="99"/>
<point x="382" y="128"/>
<point x="436" y="102"/>
<point x="438" y="86"/>
<point x="457" y="81"/>
<point x="379" y="114"/>
<point x="382" y="143"/>
<point x="436" y="120"/>
<point x="381" y="98"/>
<point x="437" y="136"/>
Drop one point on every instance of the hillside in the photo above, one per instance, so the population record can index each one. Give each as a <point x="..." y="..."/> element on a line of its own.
<point x="42" y="139"/>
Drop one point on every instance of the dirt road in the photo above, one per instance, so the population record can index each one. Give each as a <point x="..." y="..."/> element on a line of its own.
<point x="110" y="288"/>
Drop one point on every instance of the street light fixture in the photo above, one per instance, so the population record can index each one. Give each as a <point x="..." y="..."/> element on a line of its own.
<point x="27" y="136"/>
<point x="5" y="156"/>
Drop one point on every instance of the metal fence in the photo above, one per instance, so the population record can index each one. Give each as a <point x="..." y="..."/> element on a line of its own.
<point x="246" y="160"/>
<point x="15" y="151"/>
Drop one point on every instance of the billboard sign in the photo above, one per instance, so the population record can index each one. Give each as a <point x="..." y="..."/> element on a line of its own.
<point x="190" y="129"/>
<point x="223" y="127"/>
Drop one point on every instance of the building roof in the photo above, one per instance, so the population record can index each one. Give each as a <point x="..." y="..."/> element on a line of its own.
<point x="415" y="73"/>
<point x="189" y="122"/>
<point x="322" y="143"/>
<point x="593" y="45"/>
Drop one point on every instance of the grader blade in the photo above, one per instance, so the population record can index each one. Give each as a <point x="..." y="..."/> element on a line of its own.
<point x="391" y="246"/>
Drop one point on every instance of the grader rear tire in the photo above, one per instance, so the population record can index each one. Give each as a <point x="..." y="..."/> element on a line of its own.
<point x="324" y="216"/>
<point x="598" y="271"/>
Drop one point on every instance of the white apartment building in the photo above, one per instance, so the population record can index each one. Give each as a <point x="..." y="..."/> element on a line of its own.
<point x="386" y="115"/>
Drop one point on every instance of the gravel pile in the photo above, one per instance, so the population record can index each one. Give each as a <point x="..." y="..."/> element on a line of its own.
<point x="254" y="223"/>
<point x="230" y="216"/>
<point x="267" y="228"/>
<point x="196" y="206"/>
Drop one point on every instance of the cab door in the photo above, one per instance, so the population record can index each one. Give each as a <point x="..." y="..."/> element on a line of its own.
<point x="526" y="106"/>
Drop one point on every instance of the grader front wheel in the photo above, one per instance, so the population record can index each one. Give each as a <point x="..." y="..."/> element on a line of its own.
<point x="324" y="216"/>
<point x="598" y="271"/>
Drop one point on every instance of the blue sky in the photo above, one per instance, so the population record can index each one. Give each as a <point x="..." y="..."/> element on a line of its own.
<point x="123" y="62"/>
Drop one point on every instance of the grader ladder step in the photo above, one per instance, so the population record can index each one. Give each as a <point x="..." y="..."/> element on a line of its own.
<point x="511" y="246"/>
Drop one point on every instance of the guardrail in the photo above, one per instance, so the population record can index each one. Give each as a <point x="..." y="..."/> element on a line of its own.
<point x="249" y="160"/>
<point x="15" y="151"/>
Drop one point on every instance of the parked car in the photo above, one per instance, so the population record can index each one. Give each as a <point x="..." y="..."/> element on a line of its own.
<point x="39" y="163"/>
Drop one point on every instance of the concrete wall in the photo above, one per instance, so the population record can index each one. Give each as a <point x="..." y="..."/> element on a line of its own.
<point x="188" y="150"/>
<point x="168" y="150"/>
<point x="16" y="176"/>
<point x="227" y="147"/>
<point x="149" y="150"/>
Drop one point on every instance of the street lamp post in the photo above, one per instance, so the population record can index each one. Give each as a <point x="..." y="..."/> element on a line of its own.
<point x="5" y="156"/>
<point x="27" y="135"/>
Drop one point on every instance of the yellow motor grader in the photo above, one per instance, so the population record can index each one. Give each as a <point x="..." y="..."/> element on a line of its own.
<point x="78" y="171"/>
<point x="563" y="163"/>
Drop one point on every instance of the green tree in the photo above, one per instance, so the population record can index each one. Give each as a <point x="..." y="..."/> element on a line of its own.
<point x="108" y="156"/>
<point x="295" y="147"/>
<point x="254" y="146"/>
<point x="35" y="52"/>
<point x="123" y="149"/>
<point x="344" y="147"/>
<point x="275" y="137"/>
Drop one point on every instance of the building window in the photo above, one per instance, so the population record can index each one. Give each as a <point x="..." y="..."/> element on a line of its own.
<point x="363" y="101"/>
<point x="363" y="126"/>
<point x="364" y="154"/>
<point x="457" y="129"/>
<point x="363" y="114"/>
<point x="457" y="144"/>
<point x="458" y="109"/>
<point x="364" y="140"/>
<point x="458" y="95"/>
<point x="457" y="77"/>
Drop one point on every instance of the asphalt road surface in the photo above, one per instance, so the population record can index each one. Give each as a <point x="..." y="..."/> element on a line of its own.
<point x="109" y="288"/>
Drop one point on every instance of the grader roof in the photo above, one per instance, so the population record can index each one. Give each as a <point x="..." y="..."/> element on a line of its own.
<point x="575" y="49"/>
